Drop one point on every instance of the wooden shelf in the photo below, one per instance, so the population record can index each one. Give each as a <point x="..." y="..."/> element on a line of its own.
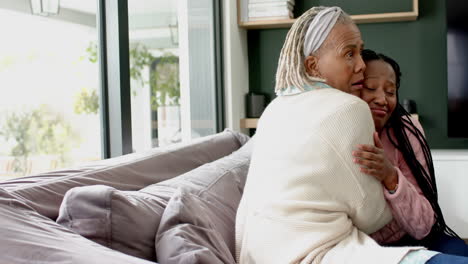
<point x="248" y="122"/>
<point x="286" y="23"/>
<point x="359" y="19"/>
<point x="252" y="122"/>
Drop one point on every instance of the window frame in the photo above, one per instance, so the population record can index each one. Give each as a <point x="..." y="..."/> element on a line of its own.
<point x="115" y="107"/>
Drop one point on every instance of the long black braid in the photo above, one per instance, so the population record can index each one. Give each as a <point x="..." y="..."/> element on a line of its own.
<point x="400" y="122"/>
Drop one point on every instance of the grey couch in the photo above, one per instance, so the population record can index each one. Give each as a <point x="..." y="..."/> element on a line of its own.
<point x="169" y="205"/>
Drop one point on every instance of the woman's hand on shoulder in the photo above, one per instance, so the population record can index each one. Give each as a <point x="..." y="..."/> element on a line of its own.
<point x="374" y="162"/>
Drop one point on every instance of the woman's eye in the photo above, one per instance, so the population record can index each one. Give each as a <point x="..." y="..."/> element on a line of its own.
<point x="370" y="88"/>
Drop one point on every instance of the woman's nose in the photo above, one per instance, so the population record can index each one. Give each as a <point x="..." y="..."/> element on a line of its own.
<point x="380" y="98"/>
<point x="360" y="65"/>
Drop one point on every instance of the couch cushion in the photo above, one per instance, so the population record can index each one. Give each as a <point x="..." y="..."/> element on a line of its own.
<point x="128" y="220"/>
<point x="45" y="192"/>
<point x="122" y="220"/>
<point x="28" y="237"/>
<point x="196" y="228"/>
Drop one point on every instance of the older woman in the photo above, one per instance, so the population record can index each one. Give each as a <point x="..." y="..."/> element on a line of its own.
<point x="305" y="201"/>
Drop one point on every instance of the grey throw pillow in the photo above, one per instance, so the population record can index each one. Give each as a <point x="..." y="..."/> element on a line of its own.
<point x="198" y="224"/>
<point x="122" y="220"/>
<point x="194" y="228"/>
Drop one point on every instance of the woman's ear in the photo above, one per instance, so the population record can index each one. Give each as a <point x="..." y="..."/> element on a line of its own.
<point x="311" y="66"/>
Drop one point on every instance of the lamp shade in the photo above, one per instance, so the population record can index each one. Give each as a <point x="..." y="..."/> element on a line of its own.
<point x="45" y="7"/>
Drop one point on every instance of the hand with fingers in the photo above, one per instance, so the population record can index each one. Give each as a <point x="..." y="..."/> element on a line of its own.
<point x="374" y="162"/>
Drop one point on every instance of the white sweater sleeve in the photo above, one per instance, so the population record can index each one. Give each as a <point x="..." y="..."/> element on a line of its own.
<point x="349" y="126"/>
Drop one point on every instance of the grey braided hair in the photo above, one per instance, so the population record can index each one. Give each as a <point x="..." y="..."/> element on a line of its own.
<point x="291" y="70"/>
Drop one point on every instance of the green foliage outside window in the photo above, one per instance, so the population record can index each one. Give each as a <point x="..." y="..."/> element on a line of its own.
<point x="164" y="81"/>
<point x="86" y="102"/>
<point x="164" y="78"/>
<point x="35" y="132"/>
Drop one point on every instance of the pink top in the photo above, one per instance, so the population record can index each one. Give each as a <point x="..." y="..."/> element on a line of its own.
<point x="412" y="212"/>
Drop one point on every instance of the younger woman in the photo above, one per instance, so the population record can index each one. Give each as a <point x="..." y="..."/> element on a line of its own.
<point x="401" y="160"/>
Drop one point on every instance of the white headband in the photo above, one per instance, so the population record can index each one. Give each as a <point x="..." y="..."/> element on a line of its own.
<point x="319" y="29"/>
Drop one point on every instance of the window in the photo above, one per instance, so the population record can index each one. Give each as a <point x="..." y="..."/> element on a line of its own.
<point x="49" y="78"/>
<point x="79" y="89"/>
<point x="173" y="71"/>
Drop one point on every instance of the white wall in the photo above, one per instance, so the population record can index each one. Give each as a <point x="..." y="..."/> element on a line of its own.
<point x="236" y="68"/>
<point x="451" y="171"/>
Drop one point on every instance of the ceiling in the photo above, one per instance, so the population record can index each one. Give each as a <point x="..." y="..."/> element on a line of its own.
<point x="135" y="7"/>
<point x="149" y="20"/>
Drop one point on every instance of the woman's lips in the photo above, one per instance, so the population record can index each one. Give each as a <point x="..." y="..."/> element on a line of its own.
<point x="379" y="112"/>
<point x="358" y="85"/>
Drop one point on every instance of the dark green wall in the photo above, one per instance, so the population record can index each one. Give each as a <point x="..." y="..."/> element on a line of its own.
<point x="418" y="46"/>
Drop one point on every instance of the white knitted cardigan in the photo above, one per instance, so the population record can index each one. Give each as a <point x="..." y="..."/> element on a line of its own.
<point x="305" y="201"/>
